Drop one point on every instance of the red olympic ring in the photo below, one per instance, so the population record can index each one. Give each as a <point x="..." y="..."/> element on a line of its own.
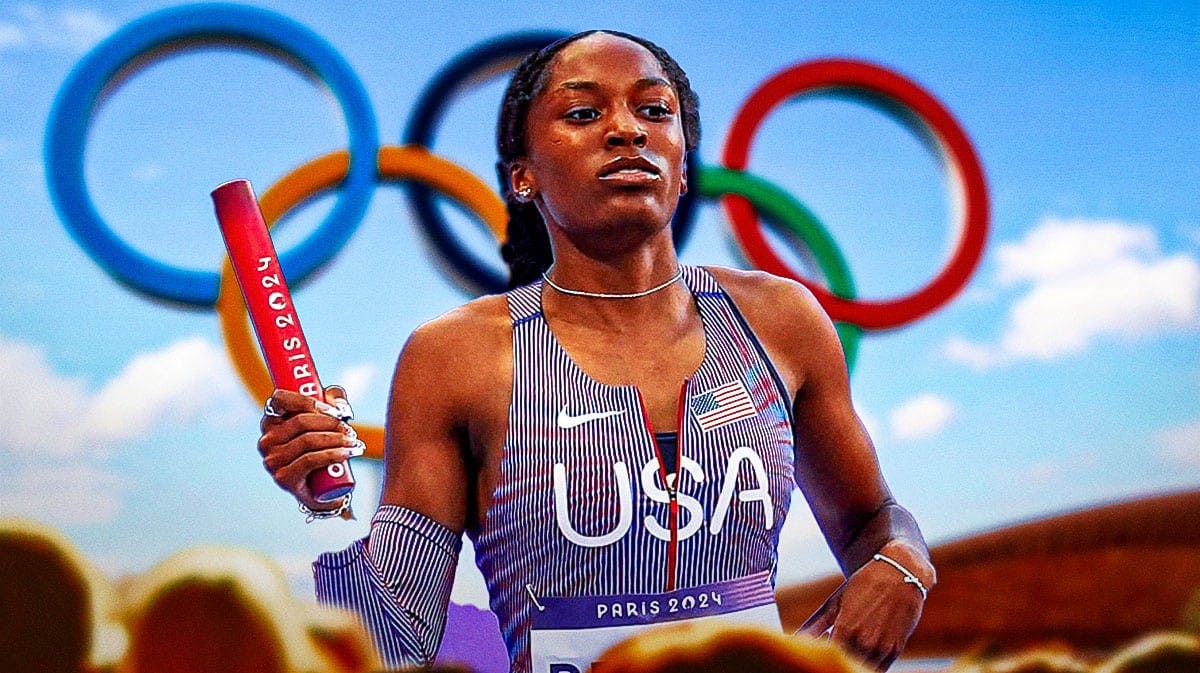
<point x="963" y="168"/>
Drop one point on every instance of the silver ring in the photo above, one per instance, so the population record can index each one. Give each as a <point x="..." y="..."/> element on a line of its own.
<point x="269" y="409"/>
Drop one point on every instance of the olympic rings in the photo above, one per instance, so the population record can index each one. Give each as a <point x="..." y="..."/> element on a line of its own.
<point x="178" y="29"/>
<point x="965" y="170"/>
<point x="326" y="172"/>
<point x="783" y="209"/>
<point x="470" y="68"/>
<point x="354" y="173"/>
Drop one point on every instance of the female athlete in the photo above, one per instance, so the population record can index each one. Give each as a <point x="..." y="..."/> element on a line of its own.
<point x="620" y="437"/>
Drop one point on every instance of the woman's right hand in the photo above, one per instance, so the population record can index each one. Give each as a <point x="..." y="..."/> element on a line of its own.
<point x="304" y="435"/>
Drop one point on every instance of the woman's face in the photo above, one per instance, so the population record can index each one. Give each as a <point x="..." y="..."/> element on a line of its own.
<point x="604" y="143"/>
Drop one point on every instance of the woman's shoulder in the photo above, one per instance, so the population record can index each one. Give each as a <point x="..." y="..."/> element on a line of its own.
<point x="478" y="326"/>
<point x="459" y="358"/>
<point x="786" y="318"/>
<point x="772" y="298"/>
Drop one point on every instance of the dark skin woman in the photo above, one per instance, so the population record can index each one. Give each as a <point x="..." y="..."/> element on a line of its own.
<point x="599" y="152"/>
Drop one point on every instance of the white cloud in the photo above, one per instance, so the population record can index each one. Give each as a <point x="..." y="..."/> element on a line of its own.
<point x="357" y="380"/>
<point x="176" y="383"/>
<point x="64" y="495"/>
<point x="1086" y="280"/>
<point x="1057" y="248"/>
<point x="1181" y="444"/>
<point x="1128" y="298"/>
<point x="51" y="417"/>
<point x="69" y="29"/>
<point x="921" y="417"/>
<point x="53" y="414"/>
<point x="45" y="407"/>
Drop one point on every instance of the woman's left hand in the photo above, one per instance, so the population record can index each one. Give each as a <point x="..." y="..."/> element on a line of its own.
<point x="871" y="614"/>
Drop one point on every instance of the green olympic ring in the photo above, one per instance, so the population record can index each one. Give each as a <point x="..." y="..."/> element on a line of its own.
<point x="797" y="223"/>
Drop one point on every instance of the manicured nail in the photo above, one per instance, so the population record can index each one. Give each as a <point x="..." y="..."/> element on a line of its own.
<point x="357" y="450"/>
<point x="345" y="411"/>
<point x="327" y="409"/>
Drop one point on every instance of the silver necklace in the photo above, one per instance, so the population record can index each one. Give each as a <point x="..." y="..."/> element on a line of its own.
<point x="610" y="295"/>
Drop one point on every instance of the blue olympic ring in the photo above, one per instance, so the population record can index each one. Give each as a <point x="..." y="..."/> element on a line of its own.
<point x="66" y="137"/>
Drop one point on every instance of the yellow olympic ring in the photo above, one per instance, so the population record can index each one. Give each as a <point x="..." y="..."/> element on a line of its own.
<point x="409" y="162"/>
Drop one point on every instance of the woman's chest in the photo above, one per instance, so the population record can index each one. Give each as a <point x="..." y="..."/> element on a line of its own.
<point x="655" y="363"/>
<point x="574" y="443"/>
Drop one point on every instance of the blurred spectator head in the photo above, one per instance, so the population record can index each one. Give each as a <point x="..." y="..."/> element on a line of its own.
<point x="1156" y="653"/>
<point x="723" y="648"/>
<point x="215" y="609"/>
<point x="53" y="604"/>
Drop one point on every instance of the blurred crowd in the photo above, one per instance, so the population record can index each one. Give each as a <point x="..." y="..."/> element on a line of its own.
<point x="215" y="609"/>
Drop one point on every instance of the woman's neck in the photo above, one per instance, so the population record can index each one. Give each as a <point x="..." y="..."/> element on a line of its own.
<point x="652" y="266"/>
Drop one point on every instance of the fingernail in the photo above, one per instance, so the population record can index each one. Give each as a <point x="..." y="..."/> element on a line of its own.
<point x="344" y="410"/>
<point x="327" y="409"/>
<point x="348" y="431"/>
<point x="357" y="450"/>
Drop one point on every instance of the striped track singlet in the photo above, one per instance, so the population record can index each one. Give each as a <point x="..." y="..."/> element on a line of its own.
<point x="582" y="507"/>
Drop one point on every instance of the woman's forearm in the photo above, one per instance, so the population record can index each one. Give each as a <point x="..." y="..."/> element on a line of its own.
<point x="890" y="526"/>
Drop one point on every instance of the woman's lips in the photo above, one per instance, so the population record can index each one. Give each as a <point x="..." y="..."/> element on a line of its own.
<point x="630" y="171"/>
<point x="630" y="176"/>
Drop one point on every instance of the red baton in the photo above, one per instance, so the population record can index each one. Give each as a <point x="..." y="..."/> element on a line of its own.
<point x="270" y="306"/>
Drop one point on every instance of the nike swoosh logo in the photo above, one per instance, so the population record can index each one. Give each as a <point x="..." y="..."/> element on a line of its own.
<point x="567" y="421"/>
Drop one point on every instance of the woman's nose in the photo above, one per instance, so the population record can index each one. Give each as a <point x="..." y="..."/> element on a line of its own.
<point x="625" y="130"/>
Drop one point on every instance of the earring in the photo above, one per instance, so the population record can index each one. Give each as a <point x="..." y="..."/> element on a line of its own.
<point x="524" y="193"/>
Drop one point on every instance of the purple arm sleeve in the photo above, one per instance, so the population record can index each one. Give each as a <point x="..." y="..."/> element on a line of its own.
<point x="397" y="580"/>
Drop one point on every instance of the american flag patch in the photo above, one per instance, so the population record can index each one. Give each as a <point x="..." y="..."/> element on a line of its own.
<point x="725" y="404"/>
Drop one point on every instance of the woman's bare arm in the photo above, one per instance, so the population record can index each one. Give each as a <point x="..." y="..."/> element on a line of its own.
<point x="837" y="470"/>
<point x="448" y="400"/>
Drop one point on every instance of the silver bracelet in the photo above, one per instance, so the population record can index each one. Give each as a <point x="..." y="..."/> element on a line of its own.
<point x="909" y="578"/>
<point x="311" y="514"/>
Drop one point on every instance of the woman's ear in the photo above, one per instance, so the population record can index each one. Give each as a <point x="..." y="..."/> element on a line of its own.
<point x="521" y="182"/>
<point x="683" y="173"/>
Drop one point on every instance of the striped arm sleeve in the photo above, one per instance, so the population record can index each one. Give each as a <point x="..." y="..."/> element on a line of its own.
<point x="397" y="580"/>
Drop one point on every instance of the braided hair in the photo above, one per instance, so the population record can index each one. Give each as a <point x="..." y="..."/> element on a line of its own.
<point x="527" y="250"/>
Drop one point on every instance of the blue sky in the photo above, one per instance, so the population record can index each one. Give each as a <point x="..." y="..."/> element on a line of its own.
<point x="1065" y="374"/>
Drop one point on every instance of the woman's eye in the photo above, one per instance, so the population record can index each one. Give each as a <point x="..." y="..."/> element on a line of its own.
<point x="585" y="114"/>
<point x="656" y="111"/>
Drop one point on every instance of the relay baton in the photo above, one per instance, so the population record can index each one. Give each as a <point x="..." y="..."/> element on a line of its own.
<point x="269" y="303"/>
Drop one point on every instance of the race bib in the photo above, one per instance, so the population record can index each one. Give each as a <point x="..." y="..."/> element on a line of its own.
<point x="568" y="634"/>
